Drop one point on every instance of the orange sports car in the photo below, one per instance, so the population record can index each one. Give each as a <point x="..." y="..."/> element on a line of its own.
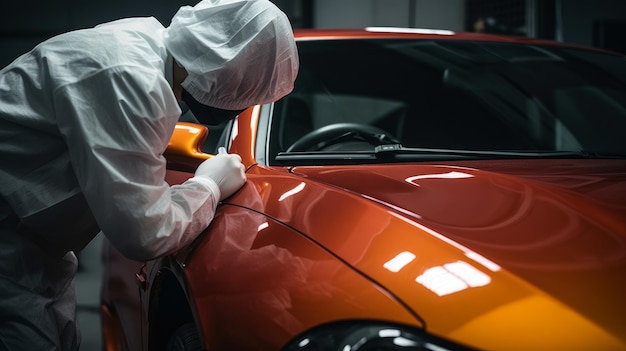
<point x="418" y="190"/>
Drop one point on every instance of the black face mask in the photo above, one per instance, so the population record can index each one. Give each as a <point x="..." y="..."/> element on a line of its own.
<point x="206" y="114"/>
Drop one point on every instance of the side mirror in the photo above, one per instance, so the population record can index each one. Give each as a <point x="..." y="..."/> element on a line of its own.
<point x="184" y="151"/>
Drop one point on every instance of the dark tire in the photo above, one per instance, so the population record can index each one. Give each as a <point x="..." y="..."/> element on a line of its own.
<point x="185" y="338"/>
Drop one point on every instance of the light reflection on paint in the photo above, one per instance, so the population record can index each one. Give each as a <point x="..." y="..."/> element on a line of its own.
<point x="452" y="277"/>
<point x="450" y="175"/>
<point x="263" y="226"/>
<point x="410" y="30"/>
<point x="469" y="253"/>
<point x="400" y="261"/>
<point x="254" y="121"/>
<point x="292" y="192"/>
<point x="190" y="129"/>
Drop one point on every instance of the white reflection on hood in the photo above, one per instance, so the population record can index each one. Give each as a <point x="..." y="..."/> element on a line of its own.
<point x="449" y="175"/>
<point x="452" y="277"/>
<point x="292" y="192"/>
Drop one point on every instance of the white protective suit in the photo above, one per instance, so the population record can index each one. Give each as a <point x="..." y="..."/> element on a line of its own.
<point x="84" y="120"/>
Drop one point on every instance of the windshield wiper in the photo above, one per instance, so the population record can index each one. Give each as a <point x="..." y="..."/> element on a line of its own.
<point x="395" y="150"/>
<point x="390" y="153"/>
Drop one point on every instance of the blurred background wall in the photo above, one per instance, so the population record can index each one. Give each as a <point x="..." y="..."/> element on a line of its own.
<point x="600" y="23"/>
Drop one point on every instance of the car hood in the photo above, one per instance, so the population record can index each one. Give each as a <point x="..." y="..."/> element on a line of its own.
<point x="554" y="227"/>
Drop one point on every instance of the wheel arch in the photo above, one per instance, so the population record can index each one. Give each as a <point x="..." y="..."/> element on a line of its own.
<point x="169" y="308"/>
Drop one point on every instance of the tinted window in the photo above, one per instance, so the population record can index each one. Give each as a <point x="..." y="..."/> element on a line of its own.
<point x="458" y="95"/>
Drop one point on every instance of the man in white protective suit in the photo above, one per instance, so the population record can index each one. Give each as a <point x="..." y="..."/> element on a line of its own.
<point x="84" y="119"/>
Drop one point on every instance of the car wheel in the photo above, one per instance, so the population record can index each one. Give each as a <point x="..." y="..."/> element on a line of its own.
<point x="185" y="338"/>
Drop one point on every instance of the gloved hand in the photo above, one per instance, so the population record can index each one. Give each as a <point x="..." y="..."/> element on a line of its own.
<point x="226" y="170"/>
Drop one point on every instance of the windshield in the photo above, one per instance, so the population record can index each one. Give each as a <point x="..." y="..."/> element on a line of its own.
<point x="352" y="95"/>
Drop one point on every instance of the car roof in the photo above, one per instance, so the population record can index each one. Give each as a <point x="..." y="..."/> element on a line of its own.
<point x="422" y="33"/>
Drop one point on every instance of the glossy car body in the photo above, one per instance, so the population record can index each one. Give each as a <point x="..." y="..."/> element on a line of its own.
<point x="449" y="234"/>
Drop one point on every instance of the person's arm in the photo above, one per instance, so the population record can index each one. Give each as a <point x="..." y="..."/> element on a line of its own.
<point x="117" y="124"/>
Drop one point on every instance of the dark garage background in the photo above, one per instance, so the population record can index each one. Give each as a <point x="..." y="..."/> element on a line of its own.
<point x="602" y="23"/>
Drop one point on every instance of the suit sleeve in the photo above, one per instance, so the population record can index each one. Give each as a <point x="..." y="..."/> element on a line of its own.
<point x="116" y="124"/>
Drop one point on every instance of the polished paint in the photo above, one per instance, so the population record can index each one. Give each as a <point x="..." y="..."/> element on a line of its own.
<point x="502" y="254"/>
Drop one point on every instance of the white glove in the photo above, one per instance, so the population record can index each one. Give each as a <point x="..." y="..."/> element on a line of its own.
<point x="226" y="170"/>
